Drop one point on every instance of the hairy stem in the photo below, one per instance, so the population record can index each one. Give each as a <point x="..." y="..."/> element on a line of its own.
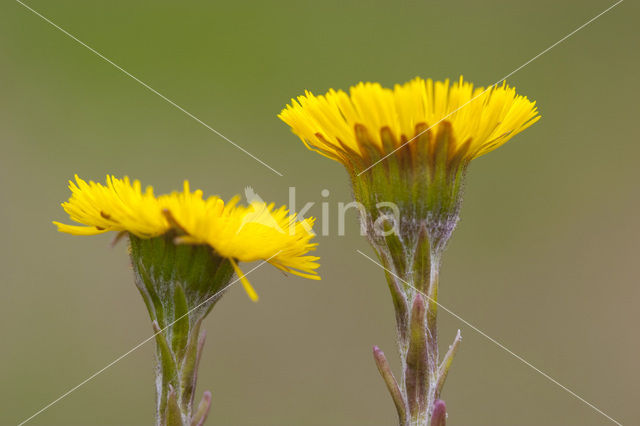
<point x="415" y="295"/>
<point x="176" y="376"/>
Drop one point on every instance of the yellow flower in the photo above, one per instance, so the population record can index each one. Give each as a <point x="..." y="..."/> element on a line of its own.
<point x="238" y="233"/>
<point x="407" y="150"/>
<point x="480" y="119"/>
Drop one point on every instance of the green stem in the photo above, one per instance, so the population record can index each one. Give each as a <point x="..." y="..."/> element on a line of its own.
<point x="421" y="360"/>
<point x="422" y="374"/>
<point x="176" y="376"/>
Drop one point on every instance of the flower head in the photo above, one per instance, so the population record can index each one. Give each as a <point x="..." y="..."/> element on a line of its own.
<point x="235" y="232"/>
<point x="372" y="121"/>
<point x="410" y="145"/>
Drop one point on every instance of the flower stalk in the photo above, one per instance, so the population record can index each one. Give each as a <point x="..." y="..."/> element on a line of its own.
<point x="179" y="284"/>
<point x="409" y="244"/>
<point x="422" y="373"/>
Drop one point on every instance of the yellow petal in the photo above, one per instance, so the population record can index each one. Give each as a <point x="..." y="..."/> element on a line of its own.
<point x="245" y="282"/>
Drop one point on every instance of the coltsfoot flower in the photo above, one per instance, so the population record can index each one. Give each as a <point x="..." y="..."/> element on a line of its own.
<point x="184" y="251"/>
<point x="234" y="232"/>
<point x="480" y="119"/>
<point x="410" y="147"/>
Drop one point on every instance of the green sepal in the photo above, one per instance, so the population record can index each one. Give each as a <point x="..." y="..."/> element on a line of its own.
<point x="438" y="155"/>
<point x="167" y="361"/>
<point x="368" y="151"/>
<point x="401" y="307"/>
<point x="422" y="259"/>
<point x="420" y="154"/>
<point x="417" y="371"/>
<point x="392" y="384"/>
<point x="144" y="282"/>
<point x="180" y="329"/>
<point x="190" y="363"/>
<point x="432" y="323"/>
<point x="396" y="251"/>
<point x="389" y="145"/>
<point x="172" y="416"/>
<point x="223" y="274"/>
<point x="443" y="370"/>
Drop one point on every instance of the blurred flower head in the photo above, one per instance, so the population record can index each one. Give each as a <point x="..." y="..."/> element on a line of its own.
<point x="235" y="232"/>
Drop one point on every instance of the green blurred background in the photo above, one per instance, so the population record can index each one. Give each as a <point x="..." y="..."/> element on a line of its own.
<point x="545" y="258"/>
